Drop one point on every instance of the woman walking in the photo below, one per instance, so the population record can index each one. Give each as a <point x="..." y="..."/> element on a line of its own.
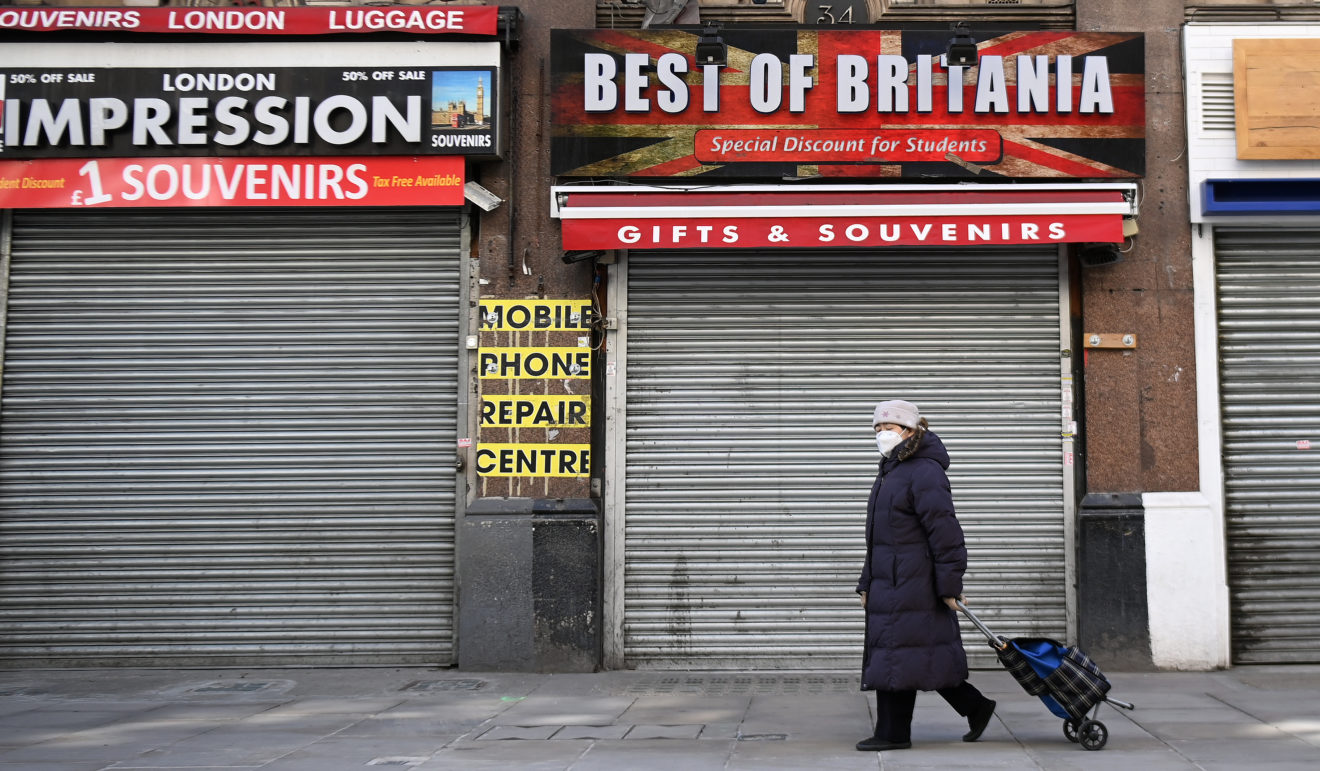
<point x="911" y="581"/>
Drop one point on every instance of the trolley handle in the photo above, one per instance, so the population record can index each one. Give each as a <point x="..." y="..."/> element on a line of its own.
<point x="996" y="642"/>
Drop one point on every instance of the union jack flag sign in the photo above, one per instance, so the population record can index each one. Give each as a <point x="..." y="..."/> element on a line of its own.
<point x="847" y="104"/>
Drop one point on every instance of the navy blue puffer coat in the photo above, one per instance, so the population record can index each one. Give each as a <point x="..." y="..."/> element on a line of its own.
<point x="916" y="556"/>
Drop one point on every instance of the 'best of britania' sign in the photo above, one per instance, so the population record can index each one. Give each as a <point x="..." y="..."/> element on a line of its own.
<point x="870" y="103"/>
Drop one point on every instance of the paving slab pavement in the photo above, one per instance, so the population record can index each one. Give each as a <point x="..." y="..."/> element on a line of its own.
<point x="431" y="719"/>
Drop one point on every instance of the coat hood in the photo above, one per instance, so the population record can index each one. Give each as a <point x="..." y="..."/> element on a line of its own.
<point x="931" y="447"/>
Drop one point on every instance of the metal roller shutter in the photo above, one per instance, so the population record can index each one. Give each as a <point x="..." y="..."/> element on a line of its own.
<point x="228" y="437"/>
<point x="750" y="384"/>
<point x="1269" y="350"/>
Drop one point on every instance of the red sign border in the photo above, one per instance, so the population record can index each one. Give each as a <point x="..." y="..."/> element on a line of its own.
<point x="101" y="183"/>
<point x="482" y="20"/>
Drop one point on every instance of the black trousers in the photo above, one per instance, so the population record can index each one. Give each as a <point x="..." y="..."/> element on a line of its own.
<point x="893" y="709"/>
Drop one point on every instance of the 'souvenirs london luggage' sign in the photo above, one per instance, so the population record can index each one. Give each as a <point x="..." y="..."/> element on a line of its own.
<point x="452" y="20"/>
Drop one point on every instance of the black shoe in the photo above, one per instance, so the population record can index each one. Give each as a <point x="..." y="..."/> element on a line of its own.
<point x="978" y="720"/>
<point x="875" y="744"/>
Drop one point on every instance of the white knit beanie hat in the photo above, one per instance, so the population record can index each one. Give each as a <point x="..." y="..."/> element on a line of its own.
<point x="896" y="411"/>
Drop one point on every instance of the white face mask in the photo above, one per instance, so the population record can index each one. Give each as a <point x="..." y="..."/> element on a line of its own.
<point x="886" y="441"/>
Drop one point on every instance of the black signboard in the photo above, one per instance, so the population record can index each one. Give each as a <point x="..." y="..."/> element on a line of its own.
<point x="283" y="111"/>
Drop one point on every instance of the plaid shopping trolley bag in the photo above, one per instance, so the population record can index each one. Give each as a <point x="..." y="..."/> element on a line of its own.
<point x="1065" y="679"/>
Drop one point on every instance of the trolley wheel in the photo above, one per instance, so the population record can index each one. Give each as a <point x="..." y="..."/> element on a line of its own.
<point x="1070" y="730"/>
<point x="1092" y="734"/>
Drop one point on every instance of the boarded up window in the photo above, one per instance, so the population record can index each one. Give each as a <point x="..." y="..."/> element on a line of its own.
<point x="1276" y="86"/>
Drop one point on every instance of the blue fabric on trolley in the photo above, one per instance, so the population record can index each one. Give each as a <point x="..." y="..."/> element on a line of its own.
<point x="1074" y="682"/>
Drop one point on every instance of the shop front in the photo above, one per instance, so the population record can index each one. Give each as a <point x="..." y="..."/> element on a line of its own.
<point x="1254" y="195"/>
<point x="820" y="223"/>
<point x="233" y="335"/>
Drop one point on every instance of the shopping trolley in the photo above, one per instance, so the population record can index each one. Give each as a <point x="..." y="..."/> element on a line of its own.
<point x="1065" y="679"/>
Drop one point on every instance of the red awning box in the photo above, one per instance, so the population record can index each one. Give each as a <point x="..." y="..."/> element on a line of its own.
<point x="631" y="217"/>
